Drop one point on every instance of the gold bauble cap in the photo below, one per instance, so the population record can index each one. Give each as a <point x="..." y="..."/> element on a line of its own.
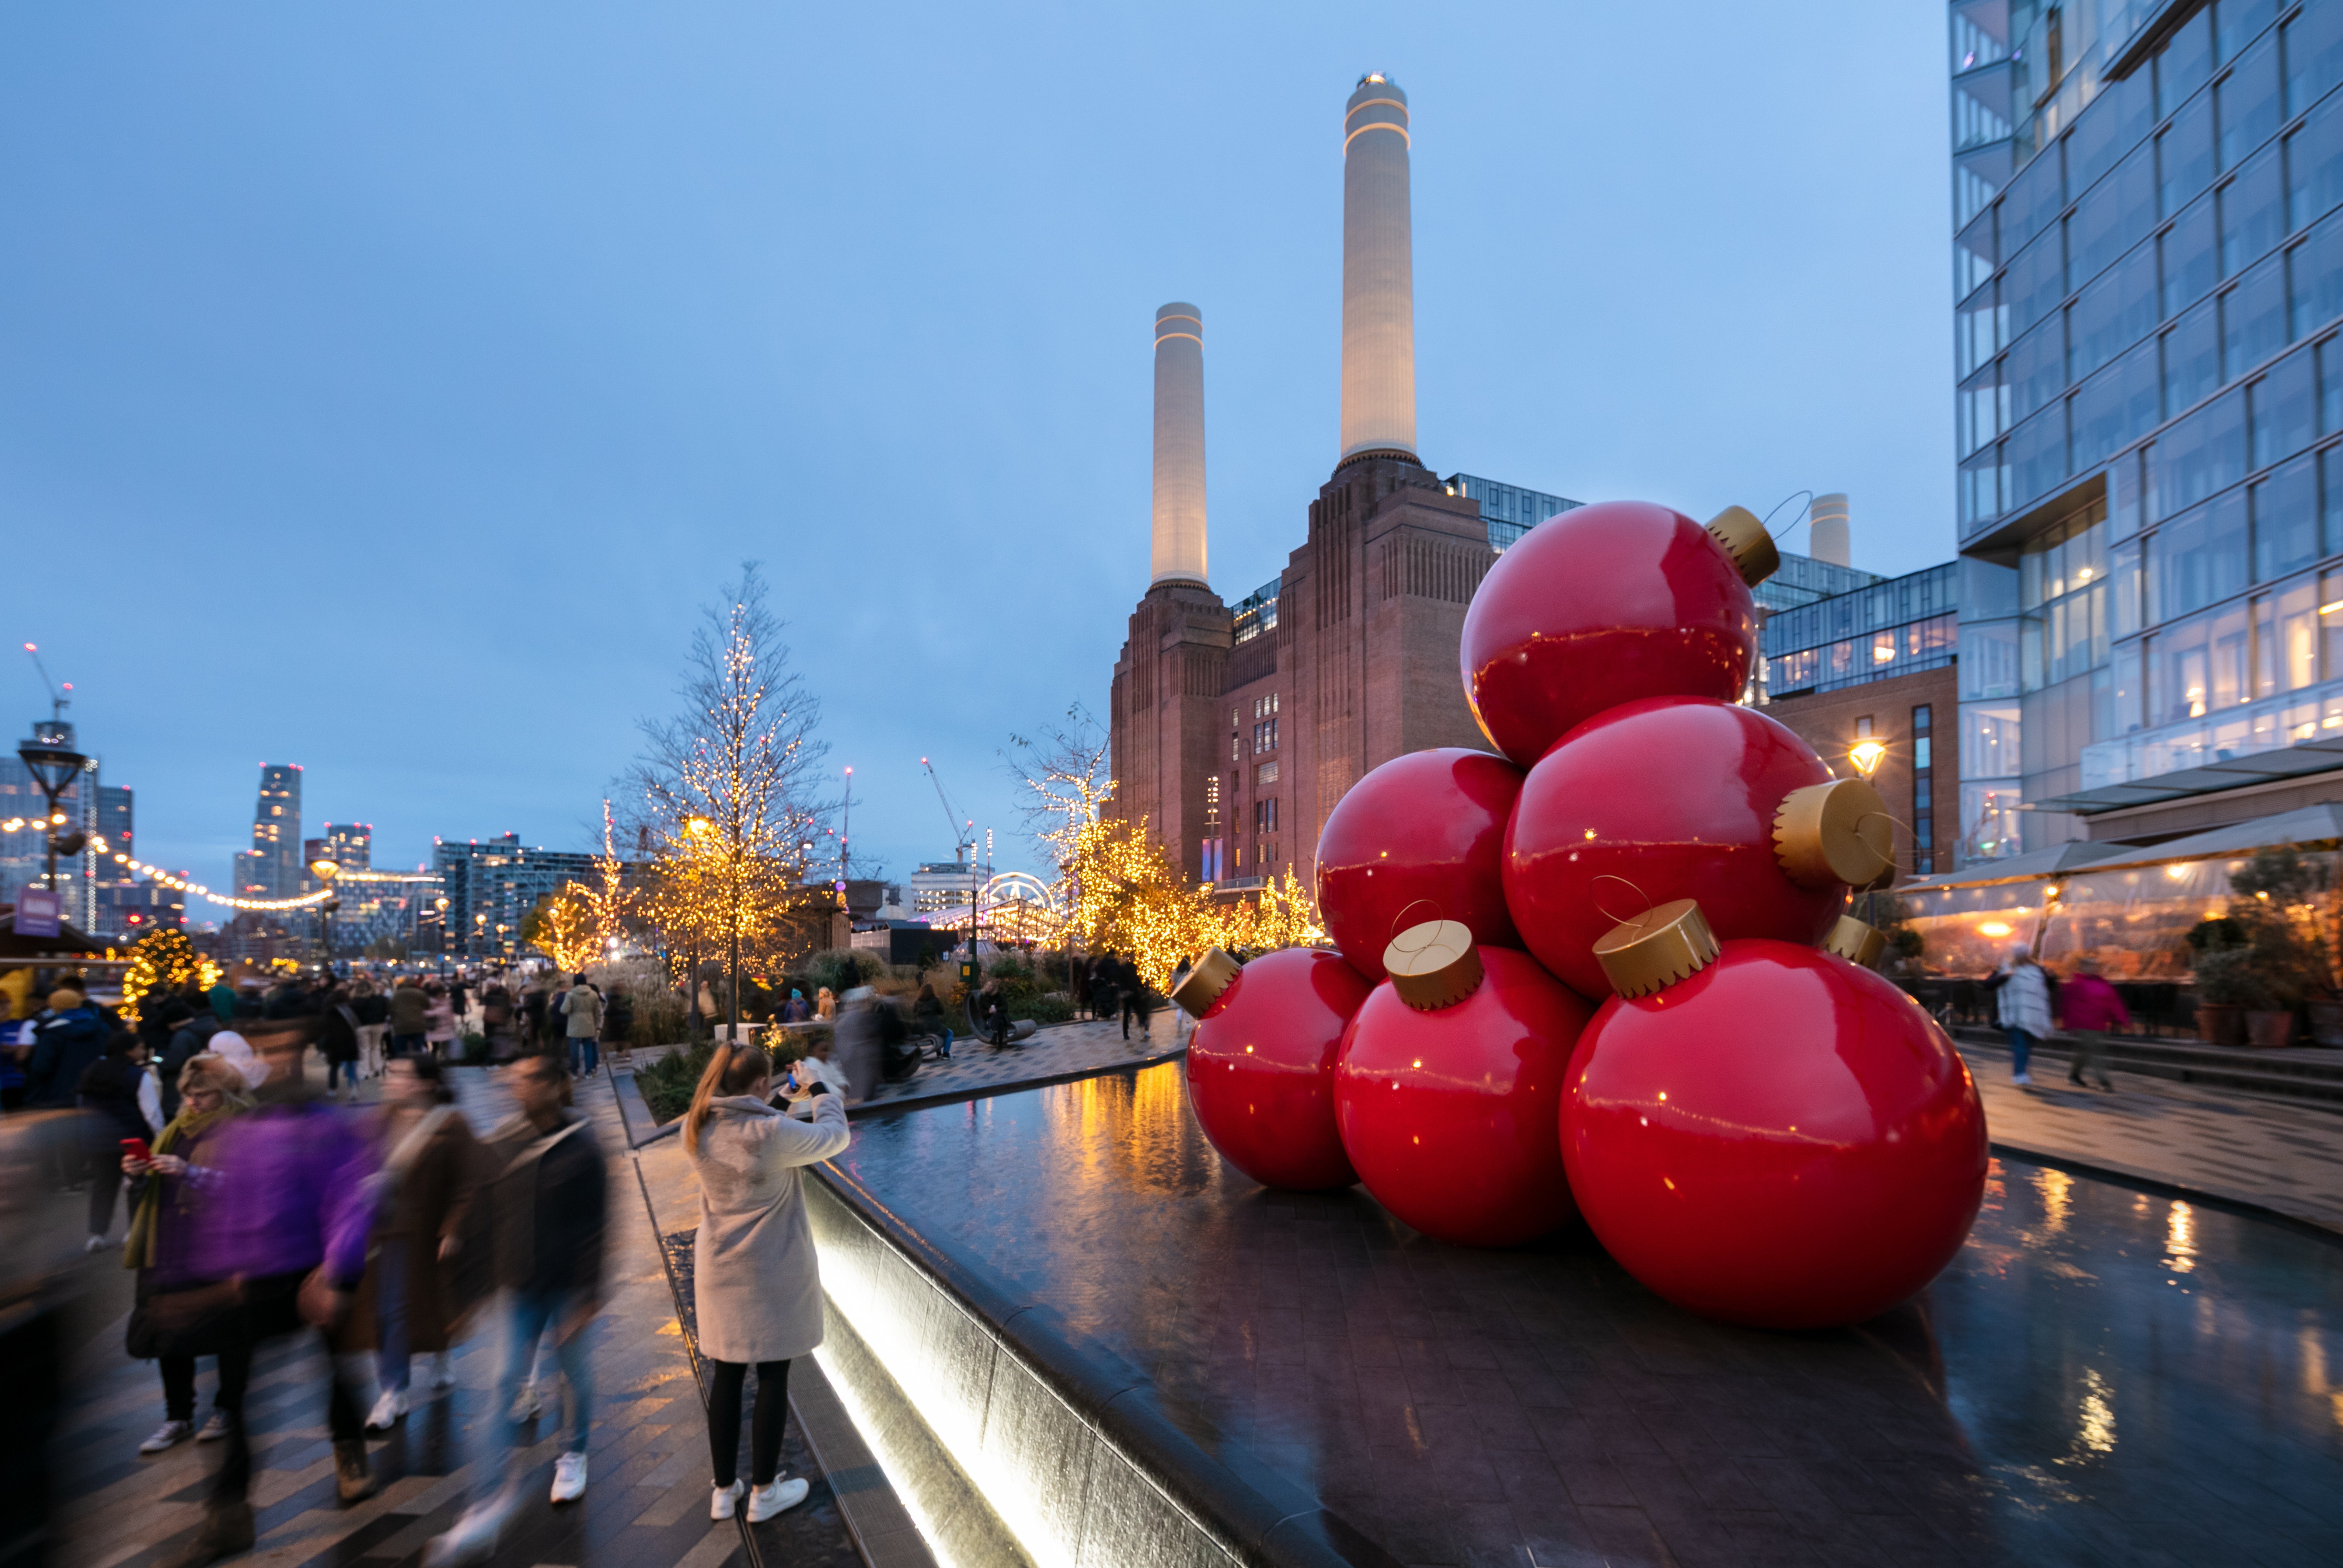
<point x="1855" y="942"/>
<point x="1656" y="948"/>
<point x="1838" y="832"/>
<point x="1433" y="965"/>
<point x="1745" y="538"/>
<point x="1213" y="974"/>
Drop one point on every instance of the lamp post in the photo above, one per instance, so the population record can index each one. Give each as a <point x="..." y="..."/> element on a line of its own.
<point x="327" y="871"/>
<point x="1867" y="754"/>
<point x="53" y="767"/>
<point x="440" y="904"/>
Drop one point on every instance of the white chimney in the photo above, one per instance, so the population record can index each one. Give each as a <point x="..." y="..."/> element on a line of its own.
<point x="1827" y="531"/>
<point x="1378" y="274"/>
<point x="1179" y="510"/>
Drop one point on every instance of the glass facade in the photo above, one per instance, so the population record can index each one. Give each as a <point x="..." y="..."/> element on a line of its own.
<point x="2148" y="263"/>
<point x="1510" y="510"/>
<point x="1897" y="626"/>
<point x="1256" y="612"/>
<point x="1801" y="580"/>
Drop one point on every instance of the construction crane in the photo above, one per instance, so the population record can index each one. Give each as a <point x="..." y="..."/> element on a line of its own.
<point x="961" y="845"/>
<point x="958" y="826"/>
<point x="59" y="700"/>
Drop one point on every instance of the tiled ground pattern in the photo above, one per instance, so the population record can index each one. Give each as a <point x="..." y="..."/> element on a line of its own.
<point x="2285" y="1155"/>
<point x="646" y="1505"/>
<point x="2100" y="1377"/>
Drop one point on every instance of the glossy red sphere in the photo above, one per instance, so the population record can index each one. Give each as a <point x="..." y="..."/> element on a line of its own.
<point x="1600" y="606"/>
<point x="1677" y="796"/>
<point x="1448" y="1116"/>
<point x="1260" y="1068"/>
<point x="1782" y="1139"/>
<point x="1418" y="839"/>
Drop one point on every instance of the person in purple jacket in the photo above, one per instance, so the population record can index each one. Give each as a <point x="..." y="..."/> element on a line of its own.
<point x="2089" y="1007"/>
<point x="286" y="1197"/>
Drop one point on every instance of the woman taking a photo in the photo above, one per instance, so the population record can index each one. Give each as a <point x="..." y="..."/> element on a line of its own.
<point x="162" y="1229"/>
<point x="757" y="1291"/>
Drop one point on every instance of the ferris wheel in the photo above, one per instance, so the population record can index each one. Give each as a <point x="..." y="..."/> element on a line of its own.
<point x="1019" y="905"/>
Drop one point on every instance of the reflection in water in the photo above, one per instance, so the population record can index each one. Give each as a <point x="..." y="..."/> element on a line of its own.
<point x="2099" y="1376"/>
<point x="2180" y="1239"/>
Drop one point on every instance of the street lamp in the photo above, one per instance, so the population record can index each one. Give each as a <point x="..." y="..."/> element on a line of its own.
<point x="1867" y="755"/>
<point x="53" y="767"/>
<point x="440" y="904"/>
<point x="327" y="871"/>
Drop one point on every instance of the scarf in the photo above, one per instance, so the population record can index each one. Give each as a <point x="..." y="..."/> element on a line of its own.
<point x="138" y="1250"/>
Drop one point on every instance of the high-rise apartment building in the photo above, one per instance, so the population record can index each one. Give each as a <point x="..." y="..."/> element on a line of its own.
<point x="491" y="886"/>
<point x="273" y="868"/>
<point x="2147" y="272"/>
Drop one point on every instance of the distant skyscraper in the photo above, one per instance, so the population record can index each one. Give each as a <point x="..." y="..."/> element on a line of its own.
<point x="272" y="868"/>
<point x="114" y="818"/>
<point x="1178" y="516"/>
<point x="349" y="845"/>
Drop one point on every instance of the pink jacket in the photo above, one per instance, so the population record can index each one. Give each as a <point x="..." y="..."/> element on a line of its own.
<point x="2088" y="1002"/>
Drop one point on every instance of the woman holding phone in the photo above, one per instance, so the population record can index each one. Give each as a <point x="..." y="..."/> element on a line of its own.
<point x="161" y="1225"/>
<point x="756" y="1287"/>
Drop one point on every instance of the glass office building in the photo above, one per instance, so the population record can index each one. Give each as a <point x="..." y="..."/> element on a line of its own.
<point x="1510" y="510"/>
<point x="2147" y="272"/>
<point x="1898" y="626"/>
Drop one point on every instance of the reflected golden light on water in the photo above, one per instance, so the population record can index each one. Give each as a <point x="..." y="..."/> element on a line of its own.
<point x="2056" y="1190"/>
<point x="2095" y="1428"/>
<point x="2180" y="1239"/>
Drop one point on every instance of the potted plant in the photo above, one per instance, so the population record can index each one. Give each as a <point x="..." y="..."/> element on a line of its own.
<point x="2226" y="987"/>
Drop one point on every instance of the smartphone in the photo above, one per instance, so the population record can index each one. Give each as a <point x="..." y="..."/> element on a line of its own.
<point x="136" y="1149"/>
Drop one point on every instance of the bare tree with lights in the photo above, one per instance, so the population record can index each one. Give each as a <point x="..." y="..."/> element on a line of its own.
<point x="726" y="790"/>
<point x="1063" y="783"/>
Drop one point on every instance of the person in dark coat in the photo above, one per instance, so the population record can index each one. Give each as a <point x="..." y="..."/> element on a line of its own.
<point x="405" y="1016"/>
<point x="120" y="1100"/>
<point x="419" y="1283"/>
<point x="67" y="1037"/>
<point x="160" y="1018"/>
<point x="618" y="1018"/>
<point x="337" y="1041"/>
<point x="188" y="1042"/>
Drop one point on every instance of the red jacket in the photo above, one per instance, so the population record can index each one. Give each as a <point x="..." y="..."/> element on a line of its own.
<point x="2088" y="1002"/>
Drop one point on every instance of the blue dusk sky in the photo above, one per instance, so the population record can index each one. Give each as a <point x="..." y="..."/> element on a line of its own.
<point x="383" y="388"/>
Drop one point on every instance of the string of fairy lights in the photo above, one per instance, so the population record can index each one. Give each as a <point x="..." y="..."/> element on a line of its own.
<point x="178" y="884"/>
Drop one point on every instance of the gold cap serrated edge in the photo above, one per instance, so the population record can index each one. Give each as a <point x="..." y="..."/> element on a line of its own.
<point x="1745" y="538"/>
<point x="1433" y="965"/>
<point x="1834" y="834"/>
<point x="1213" y="974"/>
<point x="1855" y="942"/>
<point x="1656" y="948"/>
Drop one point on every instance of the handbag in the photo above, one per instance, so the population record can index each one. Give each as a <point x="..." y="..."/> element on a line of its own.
<point x="203" y="1320"/>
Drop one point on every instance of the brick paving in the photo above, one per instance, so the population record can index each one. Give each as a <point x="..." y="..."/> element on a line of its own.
<point x="2282" y="1155"/>
<point x="647" y="1498"/>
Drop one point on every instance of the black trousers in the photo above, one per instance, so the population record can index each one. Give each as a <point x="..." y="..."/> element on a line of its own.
<point x="270" y="1313"/>
<point x="179" y="1383"/>
<point x="724" y="1381"/>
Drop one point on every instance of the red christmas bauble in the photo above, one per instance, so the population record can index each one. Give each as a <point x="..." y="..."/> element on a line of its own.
<point x="1677" y="796"/>
<point x="1425" y="832"/>
<point x="1600" y="606"/>
<point x="1783" y="1138"/>
<point x="1260" y="1068"/>
<point x="1448" y="1116"/>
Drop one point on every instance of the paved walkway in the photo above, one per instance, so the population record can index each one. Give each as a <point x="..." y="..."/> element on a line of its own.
<point x="1059" y="1051"/>
<point x="646" y="1505"/>
<point x="2283" y="1156"/>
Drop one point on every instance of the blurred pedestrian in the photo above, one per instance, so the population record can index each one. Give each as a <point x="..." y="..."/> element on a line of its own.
<point x="338" y="1040"/>
<point x="618" y="1022"/>
<point x="581" y="1012"/>
<point x="373" y="1010"/>
<point x="795" y="1010"/>
<point x="191" y="1039"/>
<point x="407" y="1016"/>
<point x="67" y="1037"/>
<point x="416" y="1281"/>
<point x="2089" y="1007"/>
<point x="280" y="1245"/>
<point x="859" y="1052"/>
<point x="825" y="1003"/>
<point x="120" y="1102"/>
<point x="1138" y="1000"/>
<point x="2023" y="1006"/>
<point x="162" y="1231"/>
<point x="221" y="999"/>
<point x="756" y="1285"/>
<point x="928" y="1018"/>
<point x="549" y="1203"/>
<point x="439" y="1023"/>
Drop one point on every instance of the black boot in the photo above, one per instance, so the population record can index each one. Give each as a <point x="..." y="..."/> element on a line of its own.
<point x="353" y="1478"/>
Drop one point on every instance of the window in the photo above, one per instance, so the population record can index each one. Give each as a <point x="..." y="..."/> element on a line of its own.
<point x="2197" y="558"/>
<point x="1921" y="739"/>
<point x="2314" y="165"/>
<point x="2118" y="405"/>
<point x="2199" y="667"/>
<point x="2111" y="315"/>
<point x="2192" y="359"/>
<point x="2035" y="198"/>
<point x="2248" y="99"/>
<point x="2314" y="55"/>
<point x="1862" y="728"/>
<point x="2113" y="216"/>
<point x="2283" y="405"/>
<point x="1977" y="334"/>
<point x="2184" y="156"/>
<point x="2201" y="454"/>
<point x="1989" y="741"/>
<point x="2036" y="370"/>
<point x="1266" y="773"/>
<point x="2192" y="257"/>
<point x="2037" y="454"/>
<point x="2318" y="277"/>
<point x="2253" y="211"/>
<point x="2186" y="61"/>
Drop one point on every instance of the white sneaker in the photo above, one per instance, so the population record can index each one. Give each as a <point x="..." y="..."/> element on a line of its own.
<point x="569" y="1478"/>
<point x="214" y="1429"/>
<point x="170" y="1434"/>
<point x="473" y="1539"/>
<point x="2026" y="1079"/>
<point x="723" y="1500"/>
<point x="95" y="1245"/>
<point x="387" y="1410"/>
<point x="776" y="1496"/>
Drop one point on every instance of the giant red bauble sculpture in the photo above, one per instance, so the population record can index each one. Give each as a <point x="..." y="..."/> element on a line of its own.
<point x="1602" y="605"/>
<point x="1668" y="797"/>
<point x="1424" y="831"/>
<point x="1782" y="1139"/>
<point x="1260" y="1068"/>
<point x="1448" y="1115"/>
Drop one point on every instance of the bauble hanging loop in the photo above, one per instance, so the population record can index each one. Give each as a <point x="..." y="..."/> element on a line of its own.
<point x="1213" y="974"/>
<point x="1857" y="942"/>
<point x="1656" y="948"/>
<point x="1433" y="965"/>
<point x="1833" y="833"/>
<point x="1745" y="538"/>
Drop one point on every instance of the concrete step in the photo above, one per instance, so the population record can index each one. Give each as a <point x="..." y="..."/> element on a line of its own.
<point x="2310" y="1074"/>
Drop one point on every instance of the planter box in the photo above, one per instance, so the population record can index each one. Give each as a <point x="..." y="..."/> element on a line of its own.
<point x="2221" y="1023"/>
<point x="2270" y="1031"/>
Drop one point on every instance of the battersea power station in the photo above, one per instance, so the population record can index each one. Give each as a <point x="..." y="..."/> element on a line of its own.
<point x="1236" y="729"/>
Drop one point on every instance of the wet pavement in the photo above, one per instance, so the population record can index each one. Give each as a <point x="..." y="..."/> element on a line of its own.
<point x="2102" y="1376"/>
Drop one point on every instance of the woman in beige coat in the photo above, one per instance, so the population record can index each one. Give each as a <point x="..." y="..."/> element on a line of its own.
<point x="756" y="1289"/>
